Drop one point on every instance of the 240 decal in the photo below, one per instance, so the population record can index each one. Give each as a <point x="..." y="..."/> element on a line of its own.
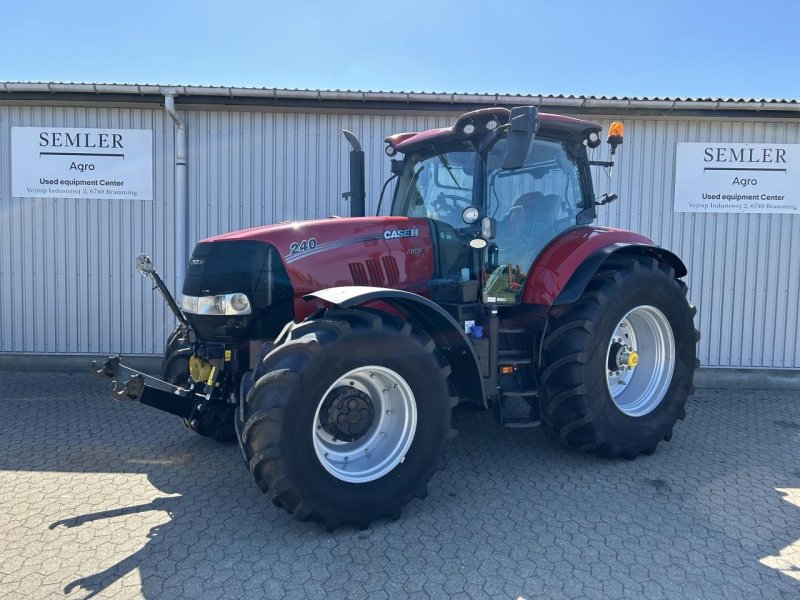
<point x="302" y="246"/>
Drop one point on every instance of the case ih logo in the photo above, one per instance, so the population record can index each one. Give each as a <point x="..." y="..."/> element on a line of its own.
<point x="400" y="233"/>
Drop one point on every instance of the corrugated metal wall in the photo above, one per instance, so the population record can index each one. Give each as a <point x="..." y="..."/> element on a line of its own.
<point x="249" y="168"/>
<point x="67" y="282"/>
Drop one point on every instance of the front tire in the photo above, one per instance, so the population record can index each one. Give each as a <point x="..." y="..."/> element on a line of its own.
<point x="347" y="419"/>
<point x="617" y="365"/>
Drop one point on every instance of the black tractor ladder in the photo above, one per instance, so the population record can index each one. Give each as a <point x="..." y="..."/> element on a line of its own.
<point x="517" y="404"/>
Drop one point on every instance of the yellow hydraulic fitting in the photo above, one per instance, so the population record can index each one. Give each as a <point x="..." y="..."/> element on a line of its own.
<point x="199" y="369"/>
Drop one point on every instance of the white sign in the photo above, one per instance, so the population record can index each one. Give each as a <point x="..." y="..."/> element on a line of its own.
<point x="737" y="178"/>
<point x="50" y="162"/>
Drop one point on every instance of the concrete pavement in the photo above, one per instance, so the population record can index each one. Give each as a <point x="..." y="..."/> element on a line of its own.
<point x="119" y="501"/>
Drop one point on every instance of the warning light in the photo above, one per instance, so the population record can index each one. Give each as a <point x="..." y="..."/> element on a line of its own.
<point x="506" y="370"/>
<point x="615" y="135"/>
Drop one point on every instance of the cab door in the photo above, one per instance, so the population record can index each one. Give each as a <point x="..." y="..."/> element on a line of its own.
<point x="532" y="205"/>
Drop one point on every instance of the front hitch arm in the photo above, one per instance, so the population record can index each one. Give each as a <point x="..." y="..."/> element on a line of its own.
<point x="108" y="368"/>
<point x="130" y="384"/>
<point x="145" y="266"/>
<point x="130" y="390"/>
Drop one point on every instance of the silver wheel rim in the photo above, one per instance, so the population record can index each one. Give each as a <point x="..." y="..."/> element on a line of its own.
<point x="388" y="437"/>
<point x="644" y="333"/>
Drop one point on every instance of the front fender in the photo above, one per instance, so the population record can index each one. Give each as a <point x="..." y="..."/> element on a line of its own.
<point x="445" y="331"/>
<point x="561" y="272"/>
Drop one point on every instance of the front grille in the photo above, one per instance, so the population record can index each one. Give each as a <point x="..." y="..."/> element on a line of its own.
<point x="250" y="267"/>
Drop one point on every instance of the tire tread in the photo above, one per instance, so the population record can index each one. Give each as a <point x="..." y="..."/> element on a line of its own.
<point x="569" y="414"/>
<point x="259" y="415"/>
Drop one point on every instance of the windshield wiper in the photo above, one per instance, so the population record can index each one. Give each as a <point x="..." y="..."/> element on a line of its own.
<point x="446" y="164"/>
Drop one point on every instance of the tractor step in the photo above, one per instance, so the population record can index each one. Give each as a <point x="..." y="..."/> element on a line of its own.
<point x="514" y="362"/>
<point x="520" y="393"/>
<point x="517" y="409"/>
<point x="511" y="353"/>
<point x="512" y="330"/>
<point x="521" y="423"/>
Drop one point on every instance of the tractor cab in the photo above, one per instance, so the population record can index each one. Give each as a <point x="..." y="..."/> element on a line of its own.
<point x="496" y="197"/>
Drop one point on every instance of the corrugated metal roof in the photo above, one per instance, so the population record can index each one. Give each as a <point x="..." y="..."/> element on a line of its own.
<point x="569" y="100"/>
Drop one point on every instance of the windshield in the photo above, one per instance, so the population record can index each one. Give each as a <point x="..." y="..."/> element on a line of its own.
<point x="438" y="186"/>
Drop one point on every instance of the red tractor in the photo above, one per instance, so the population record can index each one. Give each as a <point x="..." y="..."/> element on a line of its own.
<point x="335" y="350"/>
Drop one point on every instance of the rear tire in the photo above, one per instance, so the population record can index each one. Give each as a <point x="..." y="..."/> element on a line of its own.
<point x="292" y="423"/>
<point x="617" y="365"/>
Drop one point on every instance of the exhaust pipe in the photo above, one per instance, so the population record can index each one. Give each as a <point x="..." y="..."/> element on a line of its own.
<point x="357" y="196"/>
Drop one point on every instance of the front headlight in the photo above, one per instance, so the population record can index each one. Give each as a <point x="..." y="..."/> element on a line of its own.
<point x="223" y="304"/>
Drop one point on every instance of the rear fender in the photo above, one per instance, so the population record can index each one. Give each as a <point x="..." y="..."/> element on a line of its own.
<point x="563" y="270"/>
<point x="445" y="331"/>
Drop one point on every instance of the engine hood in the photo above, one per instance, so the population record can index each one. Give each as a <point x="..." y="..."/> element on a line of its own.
<point x="331" y="229"/>
<point x="395" y="252"/>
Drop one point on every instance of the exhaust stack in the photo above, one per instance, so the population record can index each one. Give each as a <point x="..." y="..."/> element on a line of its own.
<point x="356" y="195"/>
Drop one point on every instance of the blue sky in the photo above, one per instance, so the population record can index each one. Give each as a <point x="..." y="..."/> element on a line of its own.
<point x="676" y="48"/>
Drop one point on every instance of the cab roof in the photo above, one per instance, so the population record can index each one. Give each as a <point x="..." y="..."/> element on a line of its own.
<point x="484" y="120"/>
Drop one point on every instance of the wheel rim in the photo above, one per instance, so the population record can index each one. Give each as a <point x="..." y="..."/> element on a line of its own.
<point x="640" y="361"/>
<point x="364" y="424"/>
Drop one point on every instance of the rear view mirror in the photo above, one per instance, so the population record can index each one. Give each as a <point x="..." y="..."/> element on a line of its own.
<point x="523" y="125"/>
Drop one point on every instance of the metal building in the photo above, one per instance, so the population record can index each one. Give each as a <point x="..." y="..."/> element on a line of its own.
<point x="231" y="158"/>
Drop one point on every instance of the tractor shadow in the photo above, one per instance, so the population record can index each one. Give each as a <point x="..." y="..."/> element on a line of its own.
<point x="98" y="582"/>
<point x="212" y="502"/>
<point x="213" y="505"/>
<point x="197" y="491"/>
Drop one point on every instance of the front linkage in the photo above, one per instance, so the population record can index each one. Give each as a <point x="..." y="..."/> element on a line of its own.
<point x="130" y="384"/>
<point x="204" y="399"/>
<point x="196" y="403"/>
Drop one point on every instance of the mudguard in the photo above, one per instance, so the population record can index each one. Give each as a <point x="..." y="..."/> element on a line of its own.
<point x="561" y="272"/>
<point x="448" y="335"/>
